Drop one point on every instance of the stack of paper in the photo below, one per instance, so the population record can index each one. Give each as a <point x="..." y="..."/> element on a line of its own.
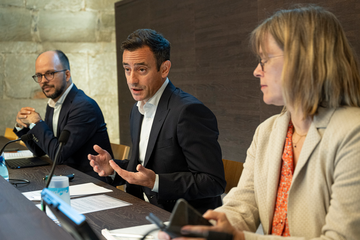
<point x="18" y="154"/>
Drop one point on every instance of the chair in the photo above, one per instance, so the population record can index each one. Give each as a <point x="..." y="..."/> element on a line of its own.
<point x="120" y="152"/>
<point x="9" y="134"/>
<point x="233" y="172"/>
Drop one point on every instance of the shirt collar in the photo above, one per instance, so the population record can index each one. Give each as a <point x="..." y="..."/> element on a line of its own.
<point x="153" y="101"/>
<point x="51" y="102"/>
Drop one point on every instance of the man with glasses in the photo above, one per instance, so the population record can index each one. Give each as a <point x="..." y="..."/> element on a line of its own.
<point x="68" y="108"/>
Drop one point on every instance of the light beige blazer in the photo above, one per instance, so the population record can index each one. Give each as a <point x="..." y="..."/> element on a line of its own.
<point x="324" y="197"/>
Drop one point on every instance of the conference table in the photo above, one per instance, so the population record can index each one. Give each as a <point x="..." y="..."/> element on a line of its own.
<point x="21" y="219"/>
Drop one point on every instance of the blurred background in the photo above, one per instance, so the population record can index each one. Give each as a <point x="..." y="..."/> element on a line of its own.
<point x="83" y="29"/>
<point x="211" y="57"/>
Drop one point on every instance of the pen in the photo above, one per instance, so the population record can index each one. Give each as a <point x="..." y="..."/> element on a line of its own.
<point x="128" y="235"/>
<point x="155" y="220"/>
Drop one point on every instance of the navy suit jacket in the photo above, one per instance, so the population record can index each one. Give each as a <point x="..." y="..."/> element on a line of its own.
<point x="182" y="149"/>
<point x="82" y="117"/>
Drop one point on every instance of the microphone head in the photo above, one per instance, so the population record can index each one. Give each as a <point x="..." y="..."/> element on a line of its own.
<point x="64" y="136"/>
<point x="26" y="137"/>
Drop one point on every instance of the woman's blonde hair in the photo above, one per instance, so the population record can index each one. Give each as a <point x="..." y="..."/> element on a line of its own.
<point x="320" y="68"/>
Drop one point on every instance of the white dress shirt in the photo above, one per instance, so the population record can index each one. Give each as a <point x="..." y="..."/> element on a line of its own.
<point x="148" y="109"/>
<point x="57" y="108"/>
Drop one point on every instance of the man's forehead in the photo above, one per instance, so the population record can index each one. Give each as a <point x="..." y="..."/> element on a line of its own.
<point x="48" y="57"/>
<point x="140" y="55"/>
<point x="47" y="61"/>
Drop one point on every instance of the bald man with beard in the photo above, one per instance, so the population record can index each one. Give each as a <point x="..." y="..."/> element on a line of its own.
<point x="68" y="108"/>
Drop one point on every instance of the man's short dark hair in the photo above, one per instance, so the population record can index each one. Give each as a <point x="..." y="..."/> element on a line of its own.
<point x="63" y="59"/>
<point x="159" y="45"/>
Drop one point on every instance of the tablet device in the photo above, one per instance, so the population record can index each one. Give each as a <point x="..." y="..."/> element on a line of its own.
<point x="182" y="214"/>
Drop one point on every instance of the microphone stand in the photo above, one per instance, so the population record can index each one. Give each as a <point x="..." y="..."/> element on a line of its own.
<point x="64" y="136"/>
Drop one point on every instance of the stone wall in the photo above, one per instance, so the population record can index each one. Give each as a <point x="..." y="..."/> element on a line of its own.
<point x="83" y="29"/>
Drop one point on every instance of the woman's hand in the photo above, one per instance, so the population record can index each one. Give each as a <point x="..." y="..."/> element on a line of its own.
<point x="222" y="225"/>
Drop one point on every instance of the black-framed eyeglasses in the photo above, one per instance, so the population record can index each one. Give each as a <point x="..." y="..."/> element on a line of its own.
<point x="48" y="75"/>
<point x="263" y="63"/>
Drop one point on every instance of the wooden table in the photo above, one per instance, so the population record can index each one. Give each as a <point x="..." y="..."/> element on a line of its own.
<point x="128" y="216"/>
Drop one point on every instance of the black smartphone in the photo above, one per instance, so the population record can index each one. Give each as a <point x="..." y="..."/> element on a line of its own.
<point x="182" y="214"/>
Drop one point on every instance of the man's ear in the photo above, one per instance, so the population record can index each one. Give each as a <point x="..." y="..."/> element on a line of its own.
<point x="165" y="68"/>
<point x="68" y="75"/>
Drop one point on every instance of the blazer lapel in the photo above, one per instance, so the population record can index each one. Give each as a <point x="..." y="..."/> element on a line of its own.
<point x="313" y="138"/>
<point x="162" y="111"/>
<point x="65" y="108"/>
<point x="274" y="158"/>
<point x="49" y="116"/>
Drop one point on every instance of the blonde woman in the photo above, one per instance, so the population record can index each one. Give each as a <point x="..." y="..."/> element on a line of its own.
<point x="301" y="177"/>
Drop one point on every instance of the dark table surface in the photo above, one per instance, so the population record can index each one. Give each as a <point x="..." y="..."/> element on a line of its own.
<point x="128" y="216"/>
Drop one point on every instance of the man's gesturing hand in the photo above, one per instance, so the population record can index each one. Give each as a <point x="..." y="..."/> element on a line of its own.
<point x="100" y="162"/>
<point x="144" y="177"/>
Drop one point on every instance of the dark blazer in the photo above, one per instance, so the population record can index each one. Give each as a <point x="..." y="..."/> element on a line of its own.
<point x="183" y="150"/>
<point x="82" y="117"/>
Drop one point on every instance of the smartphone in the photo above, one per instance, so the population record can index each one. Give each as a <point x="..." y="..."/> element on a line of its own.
<point x="182" y="214"/>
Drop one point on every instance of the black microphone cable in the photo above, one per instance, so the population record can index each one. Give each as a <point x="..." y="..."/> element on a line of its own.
<point x="16" y="182"/>
<point x="24" y="138"/>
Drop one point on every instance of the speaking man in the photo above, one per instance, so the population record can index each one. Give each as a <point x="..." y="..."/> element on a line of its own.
<point x="175" y="153"/>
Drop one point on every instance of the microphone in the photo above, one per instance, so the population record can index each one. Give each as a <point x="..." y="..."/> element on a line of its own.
<point x="64" y="137"/>
<point x="24" y="138"/>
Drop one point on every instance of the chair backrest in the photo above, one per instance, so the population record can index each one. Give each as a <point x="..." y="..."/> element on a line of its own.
<point x="120" y="151"/>
<point x="233" y="172"/>
<point x="9" y="134"/>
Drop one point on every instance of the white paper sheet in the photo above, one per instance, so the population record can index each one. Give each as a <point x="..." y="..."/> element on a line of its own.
<point x="96" y="203"/>
<point x="75" y="191"/>
<point x="131" y="233"/>
<point x="87" y="189"/>
<point x="91" y="204"/>
<point x="18" y="154"/>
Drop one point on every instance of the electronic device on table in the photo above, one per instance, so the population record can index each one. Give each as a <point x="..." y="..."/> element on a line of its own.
<point x="72" y="221"/>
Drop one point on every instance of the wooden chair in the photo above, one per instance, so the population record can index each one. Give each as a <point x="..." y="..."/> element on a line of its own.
<point x="9" y="134"/>
<point x="233" y="172"/>
<point x="120" y="152"/>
